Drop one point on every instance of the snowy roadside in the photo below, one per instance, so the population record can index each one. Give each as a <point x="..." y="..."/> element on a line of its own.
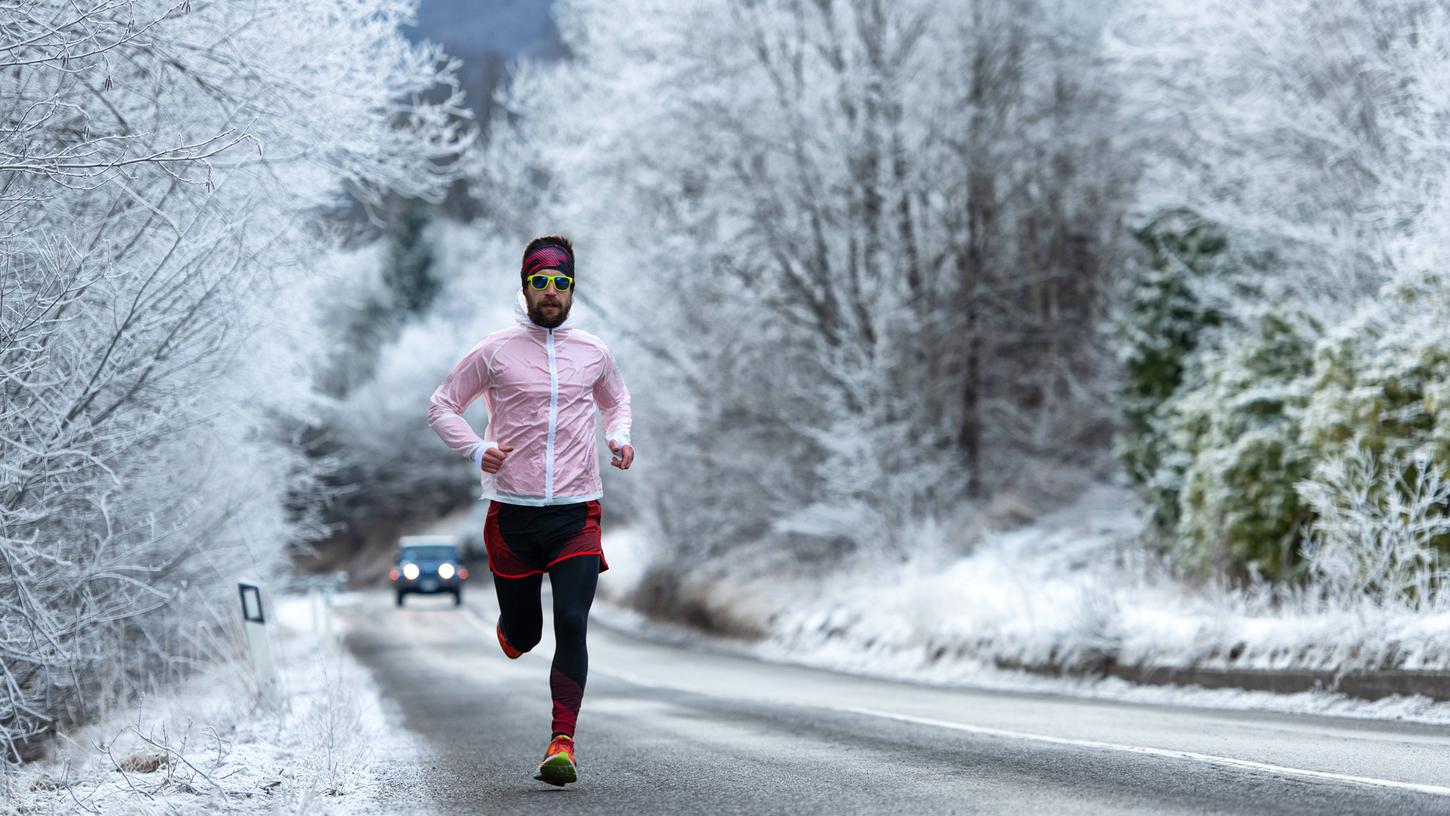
<point x="1062" y="593"/>
<point x="332" y="745"/>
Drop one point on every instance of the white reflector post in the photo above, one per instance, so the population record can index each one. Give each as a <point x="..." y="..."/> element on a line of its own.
<point x="255" y="606"/>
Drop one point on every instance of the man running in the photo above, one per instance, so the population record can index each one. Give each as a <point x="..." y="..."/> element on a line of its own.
<point x="540" y="380"/>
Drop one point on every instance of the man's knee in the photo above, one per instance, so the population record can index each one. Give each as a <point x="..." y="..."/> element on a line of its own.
<point x="523" y="636"/>
<point x="570" y="624"/>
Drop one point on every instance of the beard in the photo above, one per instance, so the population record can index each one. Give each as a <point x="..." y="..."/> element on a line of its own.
<point x="549" y="318"/>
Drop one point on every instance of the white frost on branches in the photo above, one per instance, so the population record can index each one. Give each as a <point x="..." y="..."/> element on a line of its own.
<point x="1314" y="132"/>
<point x="1375" y="528"/>
<point x="847" y="243"/>
<point x="161" y="168"/>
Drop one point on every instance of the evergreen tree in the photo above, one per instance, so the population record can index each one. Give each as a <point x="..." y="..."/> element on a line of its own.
<point x="1234" y="450"/>
<point x="1161" y="324"/>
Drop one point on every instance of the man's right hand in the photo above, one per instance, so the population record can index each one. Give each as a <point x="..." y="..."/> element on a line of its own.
<point x="493" y="457"/>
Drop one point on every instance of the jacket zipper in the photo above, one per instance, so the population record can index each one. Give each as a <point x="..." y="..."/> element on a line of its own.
<point x="553" y="419"/>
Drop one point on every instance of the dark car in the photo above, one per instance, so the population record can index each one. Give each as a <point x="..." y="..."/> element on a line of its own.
<point x="428" y="565"/>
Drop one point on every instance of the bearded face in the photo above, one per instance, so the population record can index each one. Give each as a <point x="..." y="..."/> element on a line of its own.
<point x="548" y="307"/>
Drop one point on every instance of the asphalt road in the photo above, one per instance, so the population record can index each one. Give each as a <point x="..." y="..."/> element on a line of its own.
<point x="671" y="730"/>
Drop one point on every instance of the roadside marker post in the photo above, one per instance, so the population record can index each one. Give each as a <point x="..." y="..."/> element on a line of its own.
<point x="255" y="606"/>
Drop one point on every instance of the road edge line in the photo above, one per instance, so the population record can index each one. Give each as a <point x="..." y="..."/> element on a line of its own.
<point x="1213" y="759"/>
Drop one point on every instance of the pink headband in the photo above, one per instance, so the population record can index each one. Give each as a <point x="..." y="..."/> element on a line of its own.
<point x="548" y="256"/>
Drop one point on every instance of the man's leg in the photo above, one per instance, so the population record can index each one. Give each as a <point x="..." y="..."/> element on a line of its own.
<point x="520" y="616"/>
<point x="573" y="581"/>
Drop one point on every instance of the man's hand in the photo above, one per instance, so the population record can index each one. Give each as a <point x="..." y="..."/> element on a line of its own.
<point x="493" y="457"/>
<point x="623" y="455"/>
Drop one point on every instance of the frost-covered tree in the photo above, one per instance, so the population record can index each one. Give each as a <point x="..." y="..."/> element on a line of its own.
<point x="857" y="248"/>
<point x="1163" y="320"/>
<point x="383" y="293"/>
<point x="1313" y="133"/>
<point x="163" y="166"/>
<point x="381" y="465"/>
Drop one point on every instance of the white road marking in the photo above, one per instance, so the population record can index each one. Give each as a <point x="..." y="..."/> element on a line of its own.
<point x="1213" y="759"/>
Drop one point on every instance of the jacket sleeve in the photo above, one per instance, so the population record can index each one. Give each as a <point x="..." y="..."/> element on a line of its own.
<point x="613" y="399"/>
<point x="463" y="385"/>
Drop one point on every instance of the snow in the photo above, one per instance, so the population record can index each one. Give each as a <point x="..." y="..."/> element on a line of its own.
<point x="1064" y="591"/>
<point x="331" y="747"/>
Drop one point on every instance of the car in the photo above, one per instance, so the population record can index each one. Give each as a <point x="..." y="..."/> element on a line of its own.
<point x="428" y="565"/>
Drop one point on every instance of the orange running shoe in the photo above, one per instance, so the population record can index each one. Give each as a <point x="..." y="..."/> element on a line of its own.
<point x="513" y="654"/>
<point x="558" y="765"/>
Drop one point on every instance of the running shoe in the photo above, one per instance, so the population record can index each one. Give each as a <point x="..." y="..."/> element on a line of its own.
<point x="513" y="654"/>
<point x="558" y="765"/>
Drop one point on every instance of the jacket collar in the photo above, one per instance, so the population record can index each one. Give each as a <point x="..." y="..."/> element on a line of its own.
<point x="521" y="316"/>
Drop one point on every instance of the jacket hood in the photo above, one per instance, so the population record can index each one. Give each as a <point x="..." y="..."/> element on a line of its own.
<point x="521" y="315"/>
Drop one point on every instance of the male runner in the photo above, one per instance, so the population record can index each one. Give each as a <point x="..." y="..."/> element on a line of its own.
<point x="540" y="380"/>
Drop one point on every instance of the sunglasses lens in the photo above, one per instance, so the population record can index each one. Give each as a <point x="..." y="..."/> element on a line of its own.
<point x="562" y="283"/>
<point x="539" y="281"/>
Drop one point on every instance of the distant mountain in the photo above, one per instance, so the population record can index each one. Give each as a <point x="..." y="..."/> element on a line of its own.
<point x="510" y="28"/>
<point x="486" y="35"/>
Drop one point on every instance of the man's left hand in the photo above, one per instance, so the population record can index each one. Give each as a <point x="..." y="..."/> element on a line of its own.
<point x="623" y="455"/>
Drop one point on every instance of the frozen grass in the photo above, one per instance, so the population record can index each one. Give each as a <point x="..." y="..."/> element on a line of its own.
<point x="1067" y="590"/>
<point x="208" y="747"/>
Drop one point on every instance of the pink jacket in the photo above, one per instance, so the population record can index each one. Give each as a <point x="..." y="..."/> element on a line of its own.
<point x="540" y="387"/>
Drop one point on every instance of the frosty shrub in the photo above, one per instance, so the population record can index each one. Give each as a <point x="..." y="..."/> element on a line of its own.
<point x="1376" y="522"/>
<point x="1235" y="453"/>
<point x="163" y="166"/>
<point x="1380" y="386"/>
<point x="1257" y="413"/>
<point x="1382" y="379"/>
<point x="1162" y="320"/>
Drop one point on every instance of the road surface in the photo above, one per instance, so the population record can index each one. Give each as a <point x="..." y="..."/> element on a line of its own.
<point x="666" y="729"/>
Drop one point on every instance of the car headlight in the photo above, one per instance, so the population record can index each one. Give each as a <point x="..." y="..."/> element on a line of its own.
<point x="410" y="571"/>
<point x="445" y="571"/>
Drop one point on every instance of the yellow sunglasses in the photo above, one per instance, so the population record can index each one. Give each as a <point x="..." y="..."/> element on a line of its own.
<point x="562" y="283"/>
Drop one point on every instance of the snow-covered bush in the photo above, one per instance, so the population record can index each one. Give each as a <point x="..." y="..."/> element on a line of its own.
<point x="1376" y="524"/>
<point x="1255" y="414"/>
<point x="1236" y="450"/>
<point x="1379" y="406"/>
<point x="163" y="165"/>
<point x="1381" y="380"/>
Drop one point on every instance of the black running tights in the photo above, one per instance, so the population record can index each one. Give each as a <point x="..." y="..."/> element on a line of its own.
<point x="521" y="616"/>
